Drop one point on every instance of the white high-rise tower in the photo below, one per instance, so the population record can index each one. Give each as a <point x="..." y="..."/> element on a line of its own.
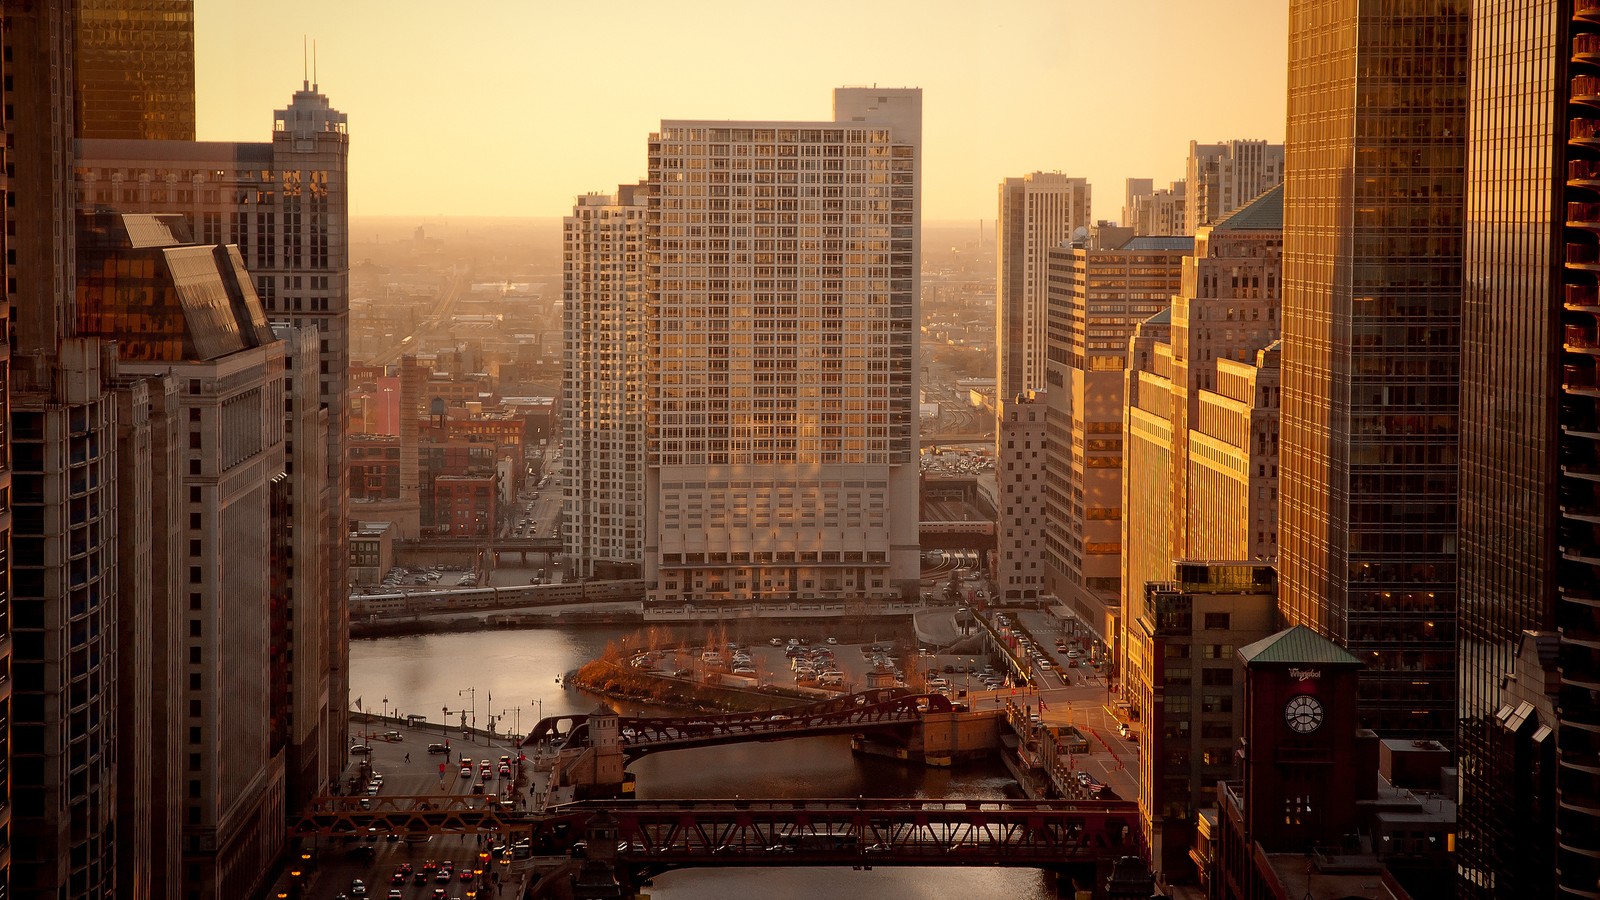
<point x="781" y="276"/>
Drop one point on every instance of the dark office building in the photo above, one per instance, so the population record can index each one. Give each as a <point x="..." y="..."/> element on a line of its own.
<point x="1530" y="455"/>
<point x="135" y="69"/>
<point x="1371" y="342"/>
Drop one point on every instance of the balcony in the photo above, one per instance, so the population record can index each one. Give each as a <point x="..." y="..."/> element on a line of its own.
<point x="1586" y="11"/>
<point x="1586" y="47"/>
<point x="1579" y="378"/>
<point x="1586" y="90"/>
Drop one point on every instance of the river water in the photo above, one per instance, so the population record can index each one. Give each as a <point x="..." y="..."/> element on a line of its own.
<point x="511" y="670"/>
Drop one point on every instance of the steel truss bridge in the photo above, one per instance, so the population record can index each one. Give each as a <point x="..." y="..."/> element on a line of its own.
<point x="874" y="709"/>
<point x="656" y="836"/>
<point x="649" y="837"/>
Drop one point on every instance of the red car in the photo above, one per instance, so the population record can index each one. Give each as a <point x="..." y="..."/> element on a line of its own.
<point x="466" y="874"/>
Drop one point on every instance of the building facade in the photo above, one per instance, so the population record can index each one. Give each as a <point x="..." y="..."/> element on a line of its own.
<point x="1019" y="473"/>
<point x="783" y="282"/>
<point x="1100" y="290"/>
<point x="1189" y="684"/>
<point x="1371" y="347"/>
<point x="1200" y="441"/>
<point x="188" y="312"/>
<point x="59" y="839"/>
<point x="1220" y="178"/>
<point x="1163" y="211"/>
<point x="135" y="69"/>
<point x="1037" y="212"/>
<point x="1529" y="458"/>
<point x="602" y="407"/>
<point x="284" y="203"/>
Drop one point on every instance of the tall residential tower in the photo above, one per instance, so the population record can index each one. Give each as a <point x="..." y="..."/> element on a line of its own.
<point x="1529" y="722"/>
<point x="603" y="383"/>
<point x="782" y="277"/>
<point x="1037" y="212"/>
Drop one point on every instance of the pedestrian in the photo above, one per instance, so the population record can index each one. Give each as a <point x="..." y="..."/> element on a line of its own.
<point x="408" y="757"/>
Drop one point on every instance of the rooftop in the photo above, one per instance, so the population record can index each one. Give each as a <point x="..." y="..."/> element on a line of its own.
<point x="1264" y="213"/>
<point x="1298" y="645"/>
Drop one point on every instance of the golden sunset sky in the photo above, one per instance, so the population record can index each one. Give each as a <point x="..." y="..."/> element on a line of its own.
<point x="513" y="107"/>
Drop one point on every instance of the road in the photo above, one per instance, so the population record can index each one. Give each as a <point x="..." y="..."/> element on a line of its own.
<point x="408" y="768"/>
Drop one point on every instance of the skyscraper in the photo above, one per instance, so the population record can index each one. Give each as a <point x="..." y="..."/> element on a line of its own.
<point x="1200" y="442"/>
<point x="782" y="282"/>
<point x="1100" y="290"/>
<point x="61" y="610"/>
<point x="1530" y="549"/>
<point x="1037" y="212"/>
<point x="284" y="203"/>
<point x="602" y="408"/>
<point x="1371" y="314"/>
<point x="1220" y="178"/>
<point x="135" y="69"/>
<point x="188" y="311"/>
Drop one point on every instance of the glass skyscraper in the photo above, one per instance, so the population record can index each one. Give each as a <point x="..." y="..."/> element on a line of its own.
<point x="1371" y="343"/>
<point x="135" y="69"/>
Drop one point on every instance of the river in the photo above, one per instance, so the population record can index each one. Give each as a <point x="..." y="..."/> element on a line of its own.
<point x="507" y="670"/>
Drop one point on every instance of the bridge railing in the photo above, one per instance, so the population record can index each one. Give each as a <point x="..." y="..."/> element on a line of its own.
<point x="663" y="834"/>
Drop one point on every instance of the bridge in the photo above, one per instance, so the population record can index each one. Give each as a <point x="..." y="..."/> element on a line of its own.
<point x="639" y="839"/>
<point x="638" y="735"/>
<point x="464" y="543"/>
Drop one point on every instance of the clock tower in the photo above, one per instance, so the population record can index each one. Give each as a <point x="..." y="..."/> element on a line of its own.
<point x="1302" y="748"/>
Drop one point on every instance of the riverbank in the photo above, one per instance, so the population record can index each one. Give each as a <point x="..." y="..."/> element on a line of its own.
<point x="631" y="685"/>
<point x="844" y="628"/>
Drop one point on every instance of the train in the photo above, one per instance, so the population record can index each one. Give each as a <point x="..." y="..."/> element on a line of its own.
<point x="411" y="603"/>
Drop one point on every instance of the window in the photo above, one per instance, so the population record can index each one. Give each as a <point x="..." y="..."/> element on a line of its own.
<point x="1217" y="620"/>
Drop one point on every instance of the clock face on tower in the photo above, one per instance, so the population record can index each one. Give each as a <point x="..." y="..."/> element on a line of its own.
<point x="1303" y="714"/>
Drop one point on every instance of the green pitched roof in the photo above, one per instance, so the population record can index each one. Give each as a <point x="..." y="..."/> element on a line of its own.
<point x="1298" y="645"/>
<point x="1264" y="213"/>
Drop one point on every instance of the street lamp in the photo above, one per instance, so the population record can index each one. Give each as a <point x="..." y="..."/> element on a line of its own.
<point x="516" y="721"/>
<point x="473" y="693"/>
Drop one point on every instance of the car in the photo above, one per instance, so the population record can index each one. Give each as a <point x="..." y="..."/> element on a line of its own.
<point x="505" y="771"/>
<point x="466" y="874"/>
<point x="399" y="877"/>
<point x="1073" y="654"/>
<point x="466" y="771"/>
<point x="833" y="640"/>
<point x="442" y="877"/>
<point x="441" y="894"/>
<point x="360" y="748"/>
<point x="438" y="748"/>
<point x="396" y="894"/>
<point x="405" y="868"/>
<point x="358" y="888"/>
<point x="505" y="759"/>
<point x="419" y="877"/>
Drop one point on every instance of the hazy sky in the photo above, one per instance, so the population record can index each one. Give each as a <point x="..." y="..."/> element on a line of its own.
<point x="513" y="107"/>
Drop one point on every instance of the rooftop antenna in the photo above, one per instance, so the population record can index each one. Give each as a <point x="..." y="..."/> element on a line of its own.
<point x="305" y="64"/>
<point x="313" y="65"/>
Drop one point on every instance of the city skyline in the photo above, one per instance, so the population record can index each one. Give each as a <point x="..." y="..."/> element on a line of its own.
<point x="1079" y="65"/>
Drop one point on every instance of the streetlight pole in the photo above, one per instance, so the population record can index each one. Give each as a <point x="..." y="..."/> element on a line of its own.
<point x="516" y="720"/>
<point x="473" y="693"/>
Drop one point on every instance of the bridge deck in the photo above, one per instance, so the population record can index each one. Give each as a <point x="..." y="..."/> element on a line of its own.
<point x="874" y="709"/>
<point x="660" y="835"/>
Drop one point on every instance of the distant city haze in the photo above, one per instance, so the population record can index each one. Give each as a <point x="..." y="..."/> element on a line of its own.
<point x="511" y="108"/>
